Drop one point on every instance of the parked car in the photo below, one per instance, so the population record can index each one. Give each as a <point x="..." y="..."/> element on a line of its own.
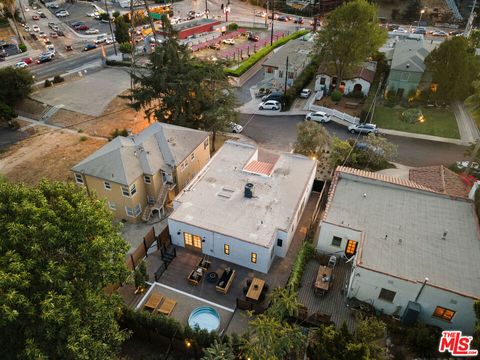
<point x="53" y="35"/>
<point x="92" y="31"/>
<point x="269" y="105"/>
<point x="52" y="5"/>
<point x="421" y="31"/>
<point x="60" y="33"/>
<point x="299" y="20"/>
<point x="305" y="93"/>
<point x="363" y="128"/>
<point x="43" y="16"/>
<point x="236" y="128"/>
<point x="463" y="165"/>
<point x="263" y="92"/>
<point x="82" y="27"/>
<point x="228" y="41"/>
<point x="253" y="37"/>
<point x="33" y="36"/>
<point x="439" y="33"/>
<point x="215" y="46"/>
<point x="89" y="47"/>
<point x="283" y="18"/>
<point x="51" y="25"/>
<point x="68" y="47"/>
<point x="101" y="39"/>
<point x="191" y="15"/>
<point x="39" y="12"/>
<point x="277" y="96"/>
<point x="275" y="16"/>
<point x="370" y="148"/>
<point x="43" y="59"/>
<point x="36" y="28"/>
<point x="318" y="116"/>
<point x="49" y="54"/>
<point x="77" y="24"/>
<point x="21" y="65"/>
<point x="42" y="34"/>
<point x="111" y="40"/>
<point x="35" y="17"/>
<point x="27" y="28"/>
<point x="261" y="14"/>
<point x="456" y="33"/>
<point x="63" y="13"/>
<point x="51" y="50"/>
<point x="27" y="60"/>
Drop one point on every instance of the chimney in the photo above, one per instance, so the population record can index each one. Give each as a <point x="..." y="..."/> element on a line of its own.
<point x="249" y="190"/>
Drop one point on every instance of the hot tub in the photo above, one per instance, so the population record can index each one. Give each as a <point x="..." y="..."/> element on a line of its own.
<point x="205" y="317"/>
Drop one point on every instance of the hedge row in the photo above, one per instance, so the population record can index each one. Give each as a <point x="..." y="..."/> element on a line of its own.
<point x="260" y="54"/>
<point x="141" y="322"/>
<point x="304" y="255"/>
<point x="117" y="63"/>
<point x="301" y="81"/>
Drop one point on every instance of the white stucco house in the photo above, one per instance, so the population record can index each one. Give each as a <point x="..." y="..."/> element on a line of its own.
<point x="243" y="210"/>
<point x="414" y="251"/>
<point x="359" y="80"/>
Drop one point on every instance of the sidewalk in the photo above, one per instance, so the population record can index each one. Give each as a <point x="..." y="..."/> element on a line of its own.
<point x="467" y="127"/>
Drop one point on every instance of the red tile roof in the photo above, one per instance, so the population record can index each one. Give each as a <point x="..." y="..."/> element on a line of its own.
<point x="440" y="179"/>
<point x="259" y="167"/>
<point x="359" y="72"/>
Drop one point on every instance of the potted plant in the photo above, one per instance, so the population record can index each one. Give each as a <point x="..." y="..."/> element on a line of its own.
<point x="140" y="277"/>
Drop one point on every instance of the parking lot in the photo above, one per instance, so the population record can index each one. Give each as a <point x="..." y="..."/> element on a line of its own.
<point x="78" y="12"/>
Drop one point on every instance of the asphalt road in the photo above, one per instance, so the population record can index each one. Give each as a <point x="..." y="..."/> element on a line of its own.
<point x="60" y="66"/>
<point x="279" y="133"/>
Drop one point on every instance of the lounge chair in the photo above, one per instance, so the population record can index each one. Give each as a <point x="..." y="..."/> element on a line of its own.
<point x="153" y="301"/>
<point x="167" y="307"/>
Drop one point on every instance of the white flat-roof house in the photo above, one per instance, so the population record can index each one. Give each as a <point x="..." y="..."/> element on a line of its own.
<point x="243" y="210"/>
<point x="414" y="250"/>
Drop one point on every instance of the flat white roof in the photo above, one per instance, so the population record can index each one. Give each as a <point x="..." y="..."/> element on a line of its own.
<point x="404" y="229"/>
<point x="215" y="200"/>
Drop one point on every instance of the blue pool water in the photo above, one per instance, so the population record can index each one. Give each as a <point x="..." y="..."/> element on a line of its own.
<point x="205" y="317"/>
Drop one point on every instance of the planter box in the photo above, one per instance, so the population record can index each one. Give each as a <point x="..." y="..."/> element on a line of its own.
<point x="225" y="281"/>
<point x="194" y="278"/>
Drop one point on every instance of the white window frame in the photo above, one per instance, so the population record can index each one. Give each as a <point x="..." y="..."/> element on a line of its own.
<point x="183" y="165"/>
<point x="133" y="190"/>
<point x="137" y="210"/>
<point x="125" y="191"/>
<point x="206" y="143"/>
<point x="107" y="185"/>
<point x="192" y="156"/>
<point x="79" y="179"/>
<point x="131" y="211"/>
<point x="112" y="205"/>
<point x="145" y="177"/>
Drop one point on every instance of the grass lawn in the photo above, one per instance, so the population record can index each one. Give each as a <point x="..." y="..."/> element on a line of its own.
<point x="438" y="122"/>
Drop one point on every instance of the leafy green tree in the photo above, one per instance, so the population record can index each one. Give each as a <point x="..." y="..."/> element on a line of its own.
<point x="10" y="7"/>
<point x="351" y="34"/>
<point x="16" y="86"/>
<point x="59" y="249"/>
<point x="453" y="66"/>
<point x="341" y="151"/>
<point x="181" y="89"/>
<point x="476" y="331"/>
<point x="412" y="12"/>
<point x="218" y="351"/>
<point x="122" y="34"/>
<point x="474" y="39"/>
<point x="380" y="150"/>
<point x="6" y="112"/>
<point x="474" y="99"/>
<point x="125" y="48"/>
<point x="283" y="303"/>
<point x="312" y="138"/>
<point x="271" y="339"/>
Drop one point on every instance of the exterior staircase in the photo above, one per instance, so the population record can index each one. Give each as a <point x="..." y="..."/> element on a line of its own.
<point x="159" y="203"/>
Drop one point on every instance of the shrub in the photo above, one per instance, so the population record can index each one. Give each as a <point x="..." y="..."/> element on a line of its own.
<point x="411" y="116"/>
<point x="232" y="27"/>
<point x="117" y="63"/>
<point x="117" y="132"/>
<point x="301" y="81"/>
<point x="22" y="47"/>
<point x="423" y="340"/>
<point x="252" y="60"/>
<point x="125" y="48"/>
<point x="336" y="96"/>
<point x="47" y="83"/>
<point x="83" y="138"/>
<point x="304" y="255"/>
<point x="58" y="79"/>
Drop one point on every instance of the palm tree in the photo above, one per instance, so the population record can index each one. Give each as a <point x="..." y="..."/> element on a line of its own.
<point x="283" y="303"/>
<point x="11" y="7"/>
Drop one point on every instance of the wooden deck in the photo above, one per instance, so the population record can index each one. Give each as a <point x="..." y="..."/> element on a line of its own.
<point x="334" y="301"/>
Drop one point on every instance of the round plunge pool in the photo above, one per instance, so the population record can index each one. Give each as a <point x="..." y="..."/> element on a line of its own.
<point x="205" y="317"/>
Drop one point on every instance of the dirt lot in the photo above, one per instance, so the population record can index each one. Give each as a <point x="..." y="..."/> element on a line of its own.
<point x="46" y="154"/>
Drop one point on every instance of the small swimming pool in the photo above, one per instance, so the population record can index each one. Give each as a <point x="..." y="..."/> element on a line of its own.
<point x="205" y="317"/>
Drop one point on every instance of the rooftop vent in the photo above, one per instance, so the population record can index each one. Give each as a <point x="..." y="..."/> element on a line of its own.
<point x="249" y="190"/>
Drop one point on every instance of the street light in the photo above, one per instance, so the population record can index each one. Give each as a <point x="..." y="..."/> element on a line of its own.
<point x="420" y="19"/>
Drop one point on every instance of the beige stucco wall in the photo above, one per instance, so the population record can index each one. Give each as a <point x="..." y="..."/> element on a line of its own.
<point x="202" y="155"/>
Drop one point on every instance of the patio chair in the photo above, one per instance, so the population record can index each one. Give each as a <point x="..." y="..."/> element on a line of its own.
<point x="245" y="290"/>
<point x="167" y="307"/>
<point x="153" y="301"/>
<point x="249" y="282"/>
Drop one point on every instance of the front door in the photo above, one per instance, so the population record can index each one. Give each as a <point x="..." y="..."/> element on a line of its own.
<point x="192" y="241"/>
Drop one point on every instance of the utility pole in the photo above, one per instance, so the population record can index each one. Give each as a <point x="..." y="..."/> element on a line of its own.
<point x="266" y="16"/>
<point x="286" y="79"/>
<point x="206" y="8"/>
<point x="132" y="40"/>
<point x="111" y="29"/>
<point x="273" y="20"/>
<point x="472" y="16"/>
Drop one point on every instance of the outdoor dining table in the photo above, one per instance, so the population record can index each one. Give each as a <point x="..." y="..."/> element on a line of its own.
<point x="323" y="280"/>
<point x="255" y="289"/>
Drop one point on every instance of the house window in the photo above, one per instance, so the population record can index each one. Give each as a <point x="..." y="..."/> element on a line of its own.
<point x="351" y="248"/>
<point x="279" y="242"/>
<point x="147" y="179"/>
<point x="205" y="144"/>
<point x="337" y="241"/>
<point x="150" y="199"/>
<point x="443" y="313"/>
<point x="280" y="73"/>
<point x="192" y="157"/>
<point x="107" y="185"/>
<point x="387" y="295"/>
<point x="290" y="75"/>
<point x="138" y="209"/>
<point x="125" y="191"/>
<point x="322" y="81"/>
<point x="184" y="165"/>
<point x="192" y="240"/>
<point x="133" y="190"/>
<point x="129" y="211"/>
<point x="78" y="178"/>
<point x="253" y="258"/>
<point x="269" y="70"/>
<point x="404" y="76"/>
<point x="226" y="249"/>
<point x="112" y="205"/>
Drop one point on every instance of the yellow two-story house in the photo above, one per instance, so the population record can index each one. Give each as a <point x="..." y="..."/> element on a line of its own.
<point x="139" y="174"/>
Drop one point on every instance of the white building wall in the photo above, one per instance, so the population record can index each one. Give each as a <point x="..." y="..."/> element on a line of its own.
<point x="349" y="85"/>
<point x="213" y="245"/>
<point x="328" y="81"/>
<point x="328" y="231"/>
<point x="366" y="286"/>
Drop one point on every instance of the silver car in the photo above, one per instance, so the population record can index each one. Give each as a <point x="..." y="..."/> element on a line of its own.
<point x="318" y="116"/>
<point x="363" y="128"/>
